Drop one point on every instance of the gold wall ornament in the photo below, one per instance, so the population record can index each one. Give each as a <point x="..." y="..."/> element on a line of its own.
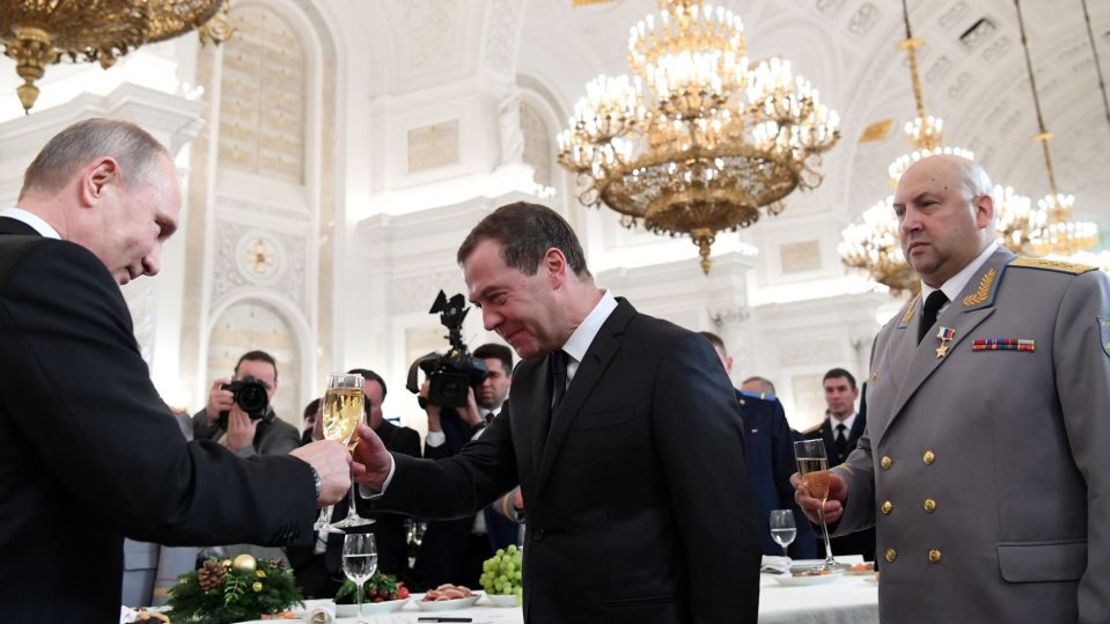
<point x="37" y="33"/>
<point x="699" y="140"/>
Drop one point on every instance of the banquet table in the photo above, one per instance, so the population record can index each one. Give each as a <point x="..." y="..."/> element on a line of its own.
<point x="847" y="600"/>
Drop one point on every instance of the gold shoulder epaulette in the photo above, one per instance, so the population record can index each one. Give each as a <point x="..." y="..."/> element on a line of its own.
<point x="1052" y="265"/>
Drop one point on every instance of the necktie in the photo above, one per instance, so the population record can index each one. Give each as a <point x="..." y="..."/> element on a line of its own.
<point x="558" y="379"/>
<point x="841" y="442"/>
<point x="933" y="303"/>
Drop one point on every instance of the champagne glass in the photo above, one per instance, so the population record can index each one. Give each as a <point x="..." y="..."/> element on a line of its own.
<point x="813" y="465"/>
<point x="341" y="414"/>
<point x="783" y="530"/>
<point x="360" y="560"/>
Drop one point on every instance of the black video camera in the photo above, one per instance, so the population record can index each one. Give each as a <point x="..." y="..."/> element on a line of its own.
<point x="251" y="396"/>
<point x="450" y="376"/>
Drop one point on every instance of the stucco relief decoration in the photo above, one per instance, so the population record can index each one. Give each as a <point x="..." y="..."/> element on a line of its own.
<point x="997" y="49"/>
<point x="259" y="257"/>
<point x="804" y="353"/>
<point x="830" y="7"/>
<point x="962" y="85"/>
<point x="501" y="35"/>
<point x="432" y="31"/>
<point x="247" y="256"/>
<point x="416" y="295"/>
<point x="864" y="19"/>
<point x="938" y="70"/>
<point x="139" y="296"/>
<point x="954" y="13"/>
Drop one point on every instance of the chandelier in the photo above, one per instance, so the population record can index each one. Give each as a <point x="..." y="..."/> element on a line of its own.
<point x="37" y="33"/>
<point x="1054" y="232"/>
<point x="872" y="244"/>
<point x="698" y="140"/>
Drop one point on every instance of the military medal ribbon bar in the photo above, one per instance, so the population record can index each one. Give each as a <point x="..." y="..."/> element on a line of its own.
<point x="1004" y="344"/>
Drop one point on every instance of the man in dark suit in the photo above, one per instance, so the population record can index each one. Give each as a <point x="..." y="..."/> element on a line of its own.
<point x="623" y="432"/>
<point x="453" y="550"/>
<point x="769" y="454"/>
<point x="317" y="566"/>
<point x="89" y="453"/>
<point x="841" y="430"/>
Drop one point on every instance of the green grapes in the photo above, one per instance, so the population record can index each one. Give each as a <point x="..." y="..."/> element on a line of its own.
<point x="503" y="573"/>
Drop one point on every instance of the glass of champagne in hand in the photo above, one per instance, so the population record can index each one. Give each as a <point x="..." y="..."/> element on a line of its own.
<point x="813" y="465"/>
<point x="360" y="560"/>
<point x="783" y="530"/>
<point x="343" y="410"/>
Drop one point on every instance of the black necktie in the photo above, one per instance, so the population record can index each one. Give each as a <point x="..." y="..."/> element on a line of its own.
<point x="841" y="442"/>
<point x="933" y="303"/>
<point x="558" y="379"/>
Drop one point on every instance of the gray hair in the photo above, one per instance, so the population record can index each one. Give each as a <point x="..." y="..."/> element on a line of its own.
<point x="133" y="148"/>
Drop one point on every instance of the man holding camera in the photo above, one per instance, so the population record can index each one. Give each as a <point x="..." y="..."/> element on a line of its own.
<point x="239" y="412"/>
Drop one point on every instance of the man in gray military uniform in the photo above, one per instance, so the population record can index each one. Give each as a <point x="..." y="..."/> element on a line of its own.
<point x="988" y="411"/>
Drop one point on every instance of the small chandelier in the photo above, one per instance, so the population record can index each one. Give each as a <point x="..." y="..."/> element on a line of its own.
<point x="872" y="246"/>
<point x="1054" y="232"/>
<point x="37" y="33"/>
<point x="698" y="141"/>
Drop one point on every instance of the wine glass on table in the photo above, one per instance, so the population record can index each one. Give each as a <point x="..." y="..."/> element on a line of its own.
<point x="813" y="465"/>
<point x="341" y="414"/>
<point x="783" y="530"/>
<point x="360" y="560"/>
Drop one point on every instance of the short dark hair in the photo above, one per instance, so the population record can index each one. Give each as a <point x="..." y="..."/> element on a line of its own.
<point x="499" y="351"/>
<point x="836" y="373"/>
<point x="526" y="231"/>
<point x="134" y="149"/>
<point x="766" y="384"/>
<point x="258" y="356"/>
<point x="370" y="375"/>
<point x="714" y="340"/>
<point x="311" y="409"/>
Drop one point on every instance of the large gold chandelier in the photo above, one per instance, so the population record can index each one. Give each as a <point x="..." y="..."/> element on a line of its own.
<point x="37" y="33"/>
<point x="698" y="141"/>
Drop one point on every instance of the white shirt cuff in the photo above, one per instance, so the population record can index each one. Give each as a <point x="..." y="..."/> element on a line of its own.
<point x="435" y="439"/>
<point x="369" y="493"/>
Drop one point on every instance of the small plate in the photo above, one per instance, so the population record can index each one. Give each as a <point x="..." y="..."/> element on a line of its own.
<point x="502" y="600"/>
<point x="790" y="580"/>
<point x="371" y="608"/>
<point x="447" y="605"/>
<point x="869" y="570"/>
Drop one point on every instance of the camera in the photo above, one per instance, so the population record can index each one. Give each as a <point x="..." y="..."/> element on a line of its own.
<point x="251" y="397"/>
<point x="450" y="376"/>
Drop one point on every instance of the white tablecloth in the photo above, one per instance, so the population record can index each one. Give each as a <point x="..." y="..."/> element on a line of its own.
<point x="848" y="600"/>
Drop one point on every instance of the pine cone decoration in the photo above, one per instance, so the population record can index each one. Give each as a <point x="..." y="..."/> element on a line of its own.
<point x="277" y="564"/>
<point x="211" y="575"/>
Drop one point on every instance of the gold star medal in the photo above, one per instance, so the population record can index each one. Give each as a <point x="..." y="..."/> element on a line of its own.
<point x="945" y="335"/>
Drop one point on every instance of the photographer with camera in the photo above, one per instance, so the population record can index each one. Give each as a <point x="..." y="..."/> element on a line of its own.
<point x="239" y="414"/>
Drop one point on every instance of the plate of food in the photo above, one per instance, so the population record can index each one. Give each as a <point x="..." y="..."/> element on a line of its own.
<point x="383" y="593"/>
<point x="808" y="576"/>
<point x="447" y="597"/>
<point x="502" y="600"/>
<point x="861" y="569"/>
<point x="371" y="608"/>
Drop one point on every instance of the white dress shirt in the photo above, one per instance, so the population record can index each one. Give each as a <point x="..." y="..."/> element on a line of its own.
<point x="33" y="220"/>
<point x="955" y="284"/>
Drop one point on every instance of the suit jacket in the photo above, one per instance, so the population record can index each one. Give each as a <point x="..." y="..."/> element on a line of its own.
<point x="388" y="528"/>
<point x="992" y="461"/>
<point x="90" y="454"/>
<point x="639" y="507"/>
<point x="275" y="437"/>
<point x="860" y="542"/>
<point x="443" y="551"/>
<point x="769" y="456"/>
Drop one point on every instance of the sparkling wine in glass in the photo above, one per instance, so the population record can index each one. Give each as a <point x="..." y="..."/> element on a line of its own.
<point x="813" y="465"/>
<point x="783" y="530"/>
<point x="360" y="560"/>
<point x="342" y="411"/>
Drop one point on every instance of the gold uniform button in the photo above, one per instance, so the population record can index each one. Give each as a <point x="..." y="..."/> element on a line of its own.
<point x="930" y="505"/>
<point x="929" y="457"/>
<point x="934" y="555"/>
<point x="886" y="462"/>
<point x="891" y="555"/>
<point x="887" y="508"/>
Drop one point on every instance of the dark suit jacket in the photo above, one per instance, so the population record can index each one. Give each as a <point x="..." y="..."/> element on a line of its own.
<point x="639" y="508"/>
<point x="862" y="542"/>
<point x="90" y="454"/>
<point x="769" y="454"/>
<point x="388" y="528"/>
<point x="273" y="437"/>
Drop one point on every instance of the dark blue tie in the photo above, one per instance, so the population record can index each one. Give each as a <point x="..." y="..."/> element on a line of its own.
<point x="558" y="379"/>
<point x="933" y="303"/>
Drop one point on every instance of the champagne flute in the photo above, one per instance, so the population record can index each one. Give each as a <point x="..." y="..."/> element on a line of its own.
<point x="341" y="414"/>
<point x="360" y="560"/>
<point x="813" y="465"/>
<point x="783" y="530"/>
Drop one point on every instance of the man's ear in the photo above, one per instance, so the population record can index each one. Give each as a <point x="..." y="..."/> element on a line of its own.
<point x="554" y="265"/>
<point x="95" y="178"/>
<point x="984" y="210"/>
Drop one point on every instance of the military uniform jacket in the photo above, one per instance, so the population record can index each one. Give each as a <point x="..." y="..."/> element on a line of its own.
<point x="985" y="471"/>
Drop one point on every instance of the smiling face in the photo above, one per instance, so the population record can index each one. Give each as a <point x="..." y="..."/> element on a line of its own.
<point x="126" y="226"/>
<point x="523" y="309"/>
<point x="944" y="216"/>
